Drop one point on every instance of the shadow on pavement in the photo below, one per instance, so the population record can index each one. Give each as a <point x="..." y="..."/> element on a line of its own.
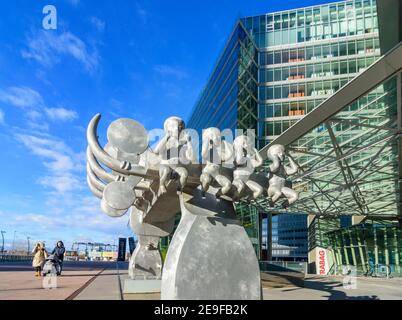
<point x="330" y="288"/>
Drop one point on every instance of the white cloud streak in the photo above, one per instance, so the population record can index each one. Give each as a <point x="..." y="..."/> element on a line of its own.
<point x="34" y="106"/>
<point x="98" y="24"/>
<point x="22" y="97"/>
<point x="48" y="48"/>
<point x="60" y="161"/>
<point x="61" y="114"/>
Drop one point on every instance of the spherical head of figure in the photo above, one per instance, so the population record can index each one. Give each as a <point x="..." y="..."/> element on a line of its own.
<point x="213" y="136"/>
<point x="173" y="126"/>
<point x="276" y="151"/>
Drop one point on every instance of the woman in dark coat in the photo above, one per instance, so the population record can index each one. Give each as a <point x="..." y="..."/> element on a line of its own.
<point x="59" y="252"/>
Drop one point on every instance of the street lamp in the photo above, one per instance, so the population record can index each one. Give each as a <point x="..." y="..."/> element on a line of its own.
<point x="28" y="245"/>
<point x="2" y="247"/>
<point x="15" y="232"/>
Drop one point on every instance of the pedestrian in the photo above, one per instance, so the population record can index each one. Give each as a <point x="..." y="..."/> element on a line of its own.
<point x="40" y="255"/>
<point x="59" y="252"/>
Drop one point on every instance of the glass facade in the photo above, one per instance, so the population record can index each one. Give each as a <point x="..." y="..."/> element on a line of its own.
<point x="229" y="100"/>
<point x="289" y="241"/>
<point x="274" y="70"/>
<point x="374" y="249"/>
<point x="306" y="55"/>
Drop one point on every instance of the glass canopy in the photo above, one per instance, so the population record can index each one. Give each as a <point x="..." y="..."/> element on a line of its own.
<point x="349" y="148"/>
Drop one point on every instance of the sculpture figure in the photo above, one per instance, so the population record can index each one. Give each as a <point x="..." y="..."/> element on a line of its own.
<point x="246" y="159"/>
<point x="278" y="185"/>
<point x="214" y="153"/>
<point x="174" y="149"/>
<point x="129" y="177"/>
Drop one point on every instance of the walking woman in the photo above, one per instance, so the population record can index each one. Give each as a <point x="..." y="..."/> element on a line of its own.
<point x="40" y="255"/>
<point x="59" y="252"/>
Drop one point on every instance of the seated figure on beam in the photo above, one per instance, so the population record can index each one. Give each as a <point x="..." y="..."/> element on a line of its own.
<point x="172" y="148"/>
<point x="246" y="159"/>
<point x="215" y="152"/>
<point x="278" y="185"/>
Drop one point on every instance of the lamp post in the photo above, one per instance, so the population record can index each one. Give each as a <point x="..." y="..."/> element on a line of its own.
<point x="28" y="244"/>
<point x="15" y="232"/>
<point x="2" y="247"/>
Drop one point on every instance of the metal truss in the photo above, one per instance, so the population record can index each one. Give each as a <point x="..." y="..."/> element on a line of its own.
<point x="349" y="148"/>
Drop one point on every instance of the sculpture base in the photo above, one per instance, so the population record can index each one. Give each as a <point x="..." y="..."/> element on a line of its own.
<point x="210" y="256"/>
<point x="141" y="286"/>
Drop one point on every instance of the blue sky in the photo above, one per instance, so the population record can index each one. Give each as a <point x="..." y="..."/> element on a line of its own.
<point x="146" y="60"/>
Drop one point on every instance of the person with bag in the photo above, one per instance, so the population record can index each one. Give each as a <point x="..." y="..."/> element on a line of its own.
<point x="40" y="255"/>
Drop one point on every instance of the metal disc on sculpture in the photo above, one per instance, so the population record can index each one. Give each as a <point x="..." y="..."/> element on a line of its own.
<point x="115" y="153"/>
<point x="119" y="195"/>
<point x="128" y="136"/>
<point x="114" y="213"/>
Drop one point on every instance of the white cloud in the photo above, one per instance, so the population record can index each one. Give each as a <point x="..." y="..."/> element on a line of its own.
<point x="61" y="184"/>
<point x="34" y="106"/>
<point x="171" y="71"/>
<point x="61" y="114"/>
<point x="22" y="97"/>
<point x="2" y="116"/>
<point x="60" y="161"/>
<point x="48" y="48"/>
<point x="98" y="24"/>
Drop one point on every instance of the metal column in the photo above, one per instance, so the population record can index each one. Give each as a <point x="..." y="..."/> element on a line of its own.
<point x="269" y="236"/>
<point x="375" y="249"/>
<point x="397" y="266"/>
<point x="362" y="258"/>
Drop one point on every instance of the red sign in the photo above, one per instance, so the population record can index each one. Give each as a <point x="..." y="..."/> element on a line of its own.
<point x="321" y="255"/>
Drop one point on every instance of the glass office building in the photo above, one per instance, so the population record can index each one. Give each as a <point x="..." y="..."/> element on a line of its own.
<point x="308" y="54"/>
<point x="229" y="100"/>
<point x="289" y="241"/>
<point x="275" y="69"/>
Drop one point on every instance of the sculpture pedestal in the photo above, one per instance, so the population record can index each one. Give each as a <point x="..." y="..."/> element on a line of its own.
<point x="210" y="256"/>
<point x="141" y="286"/>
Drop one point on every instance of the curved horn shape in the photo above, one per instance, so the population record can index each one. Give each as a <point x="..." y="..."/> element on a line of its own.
<point x="97" y="169"/>
<point x="94" y="179"/>
<point x="119" y="166"/>
<point x="97" y="193"/>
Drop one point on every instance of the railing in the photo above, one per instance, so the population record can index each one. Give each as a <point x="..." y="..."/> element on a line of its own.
<point x="290" y="266"/>
<point x="370" y="270"/>
<point x="14" y="258"/>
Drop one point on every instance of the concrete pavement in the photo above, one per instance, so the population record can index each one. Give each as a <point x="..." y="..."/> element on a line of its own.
<point x="17" y="281"/>
<point x="332" y="288"/>
<point x="103" y="281"/>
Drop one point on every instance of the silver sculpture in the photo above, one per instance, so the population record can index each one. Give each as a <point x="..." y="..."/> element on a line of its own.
<point x="210" y="256"/>
<point x="278" y="185"/>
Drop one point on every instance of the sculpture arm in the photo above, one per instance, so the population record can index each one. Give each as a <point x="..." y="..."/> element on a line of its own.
<point x="292" y="169"/>
<point x="274" y="167"/>
<point x="161" y="145"/>
<point x="239" y="156"/>
<point x="257" y="162"/>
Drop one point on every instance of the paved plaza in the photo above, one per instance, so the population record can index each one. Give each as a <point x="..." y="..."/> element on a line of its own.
<point x="332" y="288"/>
<point x="104" y="281"/>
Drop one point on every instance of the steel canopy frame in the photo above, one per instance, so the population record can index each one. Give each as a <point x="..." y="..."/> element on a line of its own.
<point x="349" y="147"/>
